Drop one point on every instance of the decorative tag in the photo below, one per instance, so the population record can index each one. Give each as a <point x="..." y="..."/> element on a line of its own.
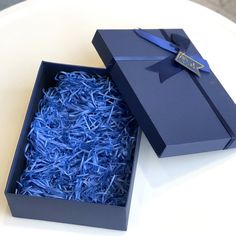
<point x="189" y="63"/>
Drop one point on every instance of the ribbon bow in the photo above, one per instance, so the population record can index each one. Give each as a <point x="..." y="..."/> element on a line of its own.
<point x="178" y="45"/>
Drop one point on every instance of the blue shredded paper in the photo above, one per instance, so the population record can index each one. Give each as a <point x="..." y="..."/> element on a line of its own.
<point x="81" y="142"/>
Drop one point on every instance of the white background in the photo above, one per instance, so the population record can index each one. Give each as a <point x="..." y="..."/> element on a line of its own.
<point x="185" y="195"/>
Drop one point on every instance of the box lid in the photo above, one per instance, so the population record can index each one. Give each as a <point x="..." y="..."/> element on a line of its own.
<point x="181" y="114"/>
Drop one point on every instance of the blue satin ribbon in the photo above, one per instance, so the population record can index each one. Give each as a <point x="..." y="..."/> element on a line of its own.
<point x="168" y="67"/>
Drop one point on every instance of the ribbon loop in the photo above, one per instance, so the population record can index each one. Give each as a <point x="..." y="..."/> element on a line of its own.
<point x="180" y="41"/>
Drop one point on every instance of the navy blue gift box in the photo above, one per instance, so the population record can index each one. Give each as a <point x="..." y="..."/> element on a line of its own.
<point x="54" y="209"/>
<point x="179" y="112"/>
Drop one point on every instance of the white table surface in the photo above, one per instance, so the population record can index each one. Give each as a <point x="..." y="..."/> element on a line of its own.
<point x="185" y="195"/>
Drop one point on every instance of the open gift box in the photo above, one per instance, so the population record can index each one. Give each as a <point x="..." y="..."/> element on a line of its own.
<point x="51" y="208"/>
<point x="179" y="112"/>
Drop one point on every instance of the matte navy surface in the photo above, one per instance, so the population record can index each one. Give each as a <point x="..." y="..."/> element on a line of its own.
<point x="59" y="210"/>
<point x="181" y="115"/>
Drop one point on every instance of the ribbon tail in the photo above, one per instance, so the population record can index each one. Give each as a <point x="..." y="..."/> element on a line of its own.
<point x="161" y="68"/>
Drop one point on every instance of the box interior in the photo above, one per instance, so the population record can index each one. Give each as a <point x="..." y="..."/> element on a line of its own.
<point x="45" y="79"/>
